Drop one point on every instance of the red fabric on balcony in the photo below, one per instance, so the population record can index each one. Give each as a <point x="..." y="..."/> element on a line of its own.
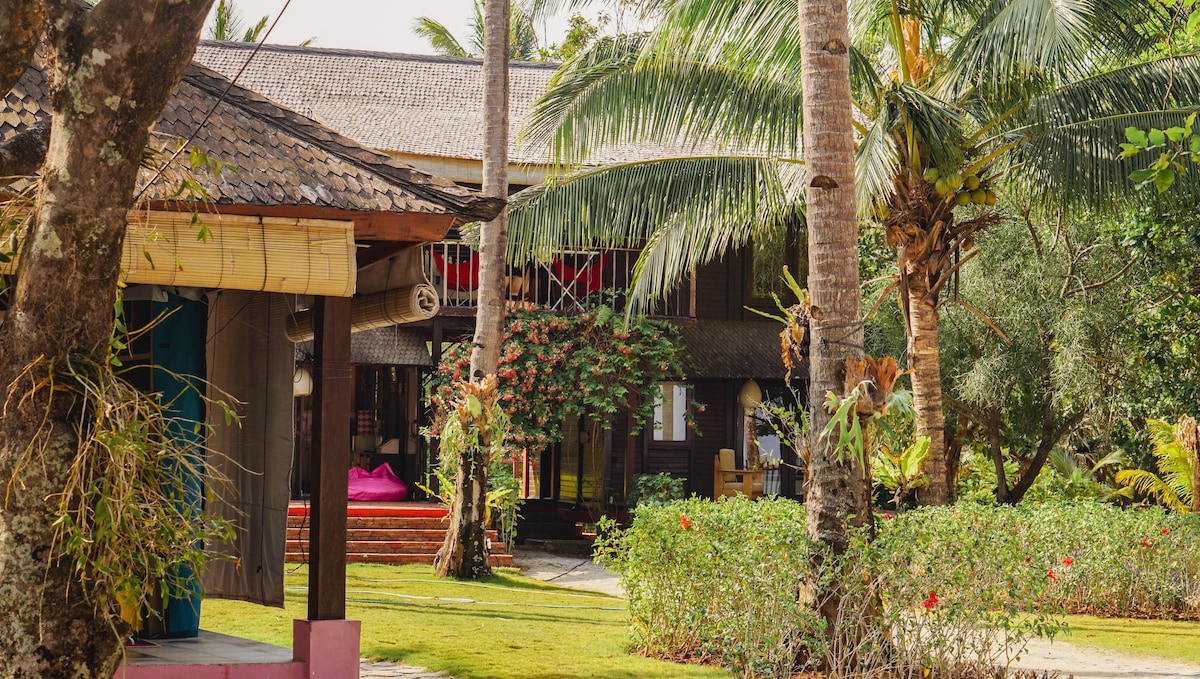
<point x="583" y="280"/>
<point x="460" y="277"/>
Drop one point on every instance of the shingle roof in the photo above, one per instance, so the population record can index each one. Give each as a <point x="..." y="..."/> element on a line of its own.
<point x="281" y="157"/>
<point x="733" y="350"/>
<point x="404" y="103"/>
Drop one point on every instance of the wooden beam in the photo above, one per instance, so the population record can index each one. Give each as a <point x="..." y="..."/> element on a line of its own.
<point x="408" y="227"/>
<point x="332" y="394"/>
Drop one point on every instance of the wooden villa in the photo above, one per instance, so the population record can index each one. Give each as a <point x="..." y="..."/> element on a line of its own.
<point x="309" y="235"/>
<point x="426" y="111"/>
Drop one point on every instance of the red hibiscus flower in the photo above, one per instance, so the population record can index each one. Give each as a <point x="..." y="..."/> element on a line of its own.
<point x="931" y="601"/>
<point x="1068" y="561"/>
<point x="685" y="522"/>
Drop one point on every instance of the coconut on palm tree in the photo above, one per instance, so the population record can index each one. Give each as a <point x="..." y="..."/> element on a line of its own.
<point x="952" y="100"/>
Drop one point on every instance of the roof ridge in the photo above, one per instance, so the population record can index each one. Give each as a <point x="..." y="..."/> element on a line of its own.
<point x="421" y="183"/>
<point x="373" y="54"/>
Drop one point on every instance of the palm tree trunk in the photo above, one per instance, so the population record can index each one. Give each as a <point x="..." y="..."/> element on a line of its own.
<point x="925" y="364"/>
<point x="466" y="519"/>
<point x="836" y="491"/>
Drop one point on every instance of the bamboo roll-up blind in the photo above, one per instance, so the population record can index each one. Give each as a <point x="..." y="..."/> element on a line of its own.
<point x="393" y="307"/>
<point x="271" y="254"/>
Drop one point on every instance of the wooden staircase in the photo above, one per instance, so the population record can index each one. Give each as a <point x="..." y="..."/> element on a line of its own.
<point x="391" y="533"/>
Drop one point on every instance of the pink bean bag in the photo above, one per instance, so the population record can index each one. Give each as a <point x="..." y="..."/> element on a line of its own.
<point x="380" y="485"/>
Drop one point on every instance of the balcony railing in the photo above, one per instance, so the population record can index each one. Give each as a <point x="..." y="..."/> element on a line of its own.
<point x="572" y="281"/>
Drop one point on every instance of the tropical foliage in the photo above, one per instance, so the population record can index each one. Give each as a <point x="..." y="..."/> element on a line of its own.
<point x="552" y="367"/>
<point x="1175" y="449"/>
<point x="953" y="101"/>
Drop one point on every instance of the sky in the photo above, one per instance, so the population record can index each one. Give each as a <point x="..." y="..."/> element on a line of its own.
<point x="381" y="25"/>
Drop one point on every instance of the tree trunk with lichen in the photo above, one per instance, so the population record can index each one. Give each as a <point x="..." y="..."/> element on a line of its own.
<point x="113" y="68"/>
<point x="458" y="556"/>
<point x="924" y="362"/>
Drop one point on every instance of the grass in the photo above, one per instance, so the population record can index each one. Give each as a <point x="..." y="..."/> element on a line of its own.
<point x="1161" y="638"/>
<point x="504" y="627"/>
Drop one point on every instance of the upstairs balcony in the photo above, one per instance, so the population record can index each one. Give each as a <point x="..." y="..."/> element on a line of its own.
<point x="574" y="280"/>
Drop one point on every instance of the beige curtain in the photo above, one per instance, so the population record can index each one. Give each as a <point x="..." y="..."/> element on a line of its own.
<point x="251" y="360"/>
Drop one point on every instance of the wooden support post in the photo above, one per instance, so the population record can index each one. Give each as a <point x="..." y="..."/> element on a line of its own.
<point x="332" y="396"/>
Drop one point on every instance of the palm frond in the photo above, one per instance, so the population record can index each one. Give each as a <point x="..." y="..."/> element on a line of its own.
<point x="1150" y="485"/>
<point x="876" y="165"/>
<point x="1013" y="39"/>
<point x="255" y="32"/>
<point x="686" y="211"/>
<point x="226" y="23"/>
<point x="614" y="93"/>
<point x="439" y="37"/>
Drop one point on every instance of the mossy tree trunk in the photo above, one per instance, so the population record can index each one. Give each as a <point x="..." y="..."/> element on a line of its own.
<point x="113" y="68"/>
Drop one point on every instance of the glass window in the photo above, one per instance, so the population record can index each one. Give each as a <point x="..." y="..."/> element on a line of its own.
<point x="669" y="409"/>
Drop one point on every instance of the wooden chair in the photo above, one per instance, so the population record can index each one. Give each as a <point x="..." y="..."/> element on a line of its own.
<point x="728" y="480"/>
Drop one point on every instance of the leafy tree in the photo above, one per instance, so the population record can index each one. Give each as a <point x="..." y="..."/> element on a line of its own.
<point x="60" y="316"/>
<point x="1033" y="356"/>
<point x="950" y="97"/>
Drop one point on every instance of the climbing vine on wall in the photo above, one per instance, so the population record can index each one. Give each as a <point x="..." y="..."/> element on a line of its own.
<point x="592" y="365"/>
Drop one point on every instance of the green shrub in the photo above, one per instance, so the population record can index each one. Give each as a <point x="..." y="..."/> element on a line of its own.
<point x="655" y="489"/>
<point x="953" y="587"/>
<point x="715" y="580"/>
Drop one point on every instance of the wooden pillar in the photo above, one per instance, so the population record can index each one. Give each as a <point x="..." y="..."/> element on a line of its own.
<point x="332" y="397"/>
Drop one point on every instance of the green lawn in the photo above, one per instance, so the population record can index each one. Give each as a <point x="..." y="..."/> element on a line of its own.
<point x="505" y="627"/>
<point x="1162" y="638"/>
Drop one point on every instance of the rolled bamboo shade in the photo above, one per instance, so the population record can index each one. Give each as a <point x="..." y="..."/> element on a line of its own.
<point x="380" y="310"/>
<point x="271" y="254"/>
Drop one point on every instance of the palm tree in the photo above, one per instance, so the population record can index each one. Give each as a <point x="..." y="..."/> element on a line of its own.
<point x="464" y="554"/>
<point x="840" y="486"/>
<point x="1178" y="479"/>
<point x="523" y="43"/>
<point x="950" y="97"/>
<point x="226" y="24"/>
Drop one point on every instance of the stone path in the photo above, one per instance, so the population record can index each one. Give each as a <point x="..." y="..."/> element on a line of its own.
<point x="1087" y="662"/>
<point x="390" y="670"/>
